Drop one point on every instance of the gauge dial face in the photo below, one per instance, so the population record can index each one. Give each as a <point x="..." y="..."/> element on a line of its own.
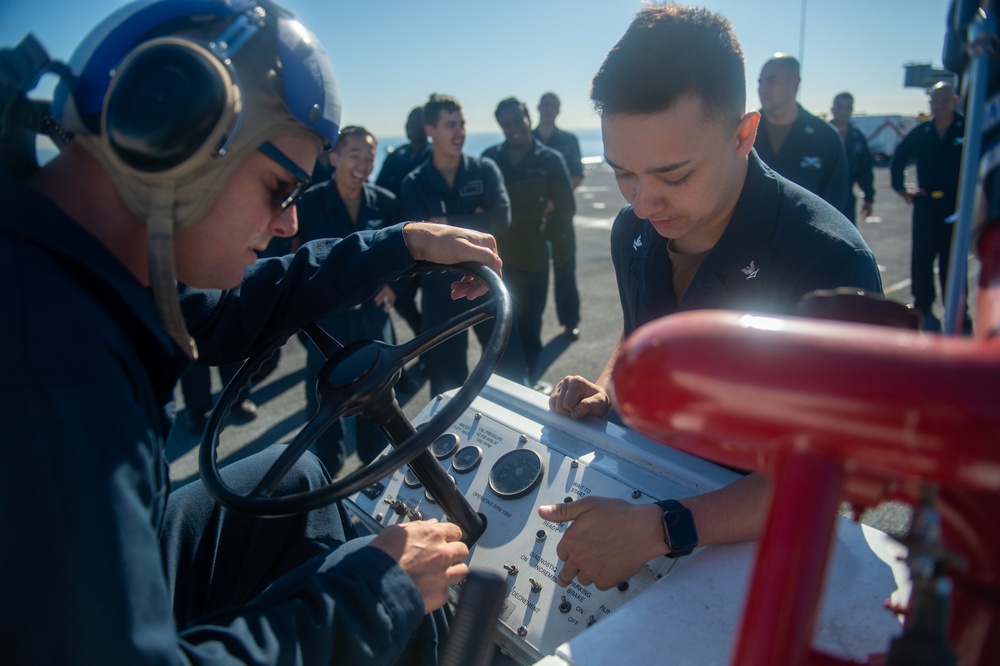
<point x="445" y="445"/>
<point x="411" y="480"/>
<point x="516" y="473"/>
<point x="467" y="459"/>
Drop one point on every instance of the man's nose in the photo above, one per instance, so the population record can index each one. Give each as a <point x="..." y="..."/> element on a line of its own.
<point x="286" y="223"/>
<point x="646" y="203"/>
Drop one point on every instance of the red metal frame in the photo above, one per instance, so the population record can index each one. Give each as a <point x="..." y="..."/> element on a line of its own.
<point x="833" y="411"/>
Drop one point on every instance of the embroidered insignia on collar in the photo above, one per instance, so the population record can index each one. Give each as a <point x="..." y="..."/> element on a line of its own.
<point x="750" y="271"/>
<point x="637" y="243"/>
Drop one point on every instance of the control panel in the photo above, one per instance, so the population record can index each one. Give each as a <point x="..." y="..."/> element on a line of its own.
<point x="508" y="454"/>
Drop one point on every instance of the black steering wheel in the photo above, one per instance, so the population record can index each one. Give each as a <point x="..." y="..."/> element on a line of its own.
<point x="358" y="379"/>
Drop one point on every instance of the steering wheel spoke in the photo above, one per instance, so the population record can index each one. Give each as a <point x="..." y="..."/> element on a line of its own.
<point x="326" y="343"/>
<point x="313" y="428"/>
<point x="438" y="334"/>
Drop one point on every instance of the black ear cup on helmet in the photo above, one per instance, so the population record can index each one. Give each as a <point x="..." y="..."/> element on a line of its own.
<point x="166" y="101"/>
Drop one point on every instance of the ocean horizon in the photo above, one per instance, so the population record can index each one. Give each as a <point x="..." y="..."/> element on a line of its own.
<point x="591" y="145"/>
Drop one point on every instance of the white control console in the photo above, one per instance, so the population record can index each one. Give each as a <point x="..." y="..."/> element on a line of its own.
<point x="509" y="455"/>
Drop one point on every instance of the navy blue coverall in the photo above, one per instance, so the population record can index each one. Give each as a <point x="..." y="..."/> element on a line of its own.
<point x="859" y="170"/>
<point x="101" y="563"/>
<point x="538" y="178"/>
<point x="812" y="156"/>
<point x="939" y="161"/>
<point x="563" y="248"/>
<point x="477" y="200"/>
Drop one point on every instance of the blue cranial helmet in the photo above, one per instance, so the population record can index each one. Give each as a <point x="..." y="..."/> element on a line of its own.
<point x="172" y="96"/>
<point x="309" y="87"/>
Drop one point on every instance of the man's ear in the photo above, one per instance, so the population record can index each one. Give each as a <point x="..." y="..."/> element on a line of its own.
<point x="746" y="133"/>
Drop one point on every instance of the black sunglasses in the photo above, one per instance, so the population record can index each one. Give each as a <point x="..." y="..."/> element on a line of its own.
<point x="284" y="161"/>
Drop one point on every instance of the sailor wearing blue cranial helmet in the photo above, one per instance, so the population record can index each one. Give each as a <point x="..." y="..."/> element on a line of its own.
<point x="187" y="129"/>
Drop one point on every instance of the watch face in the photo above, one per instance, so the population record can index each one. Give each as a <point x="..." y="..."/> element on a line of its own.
<point x="679" y="532"/>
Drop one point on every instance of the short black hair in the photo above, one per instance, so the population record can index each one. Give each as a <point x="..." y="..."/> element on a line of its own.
<point x="670" y="51"/>
<point x="789" y="62"/>
<point x="844" y="95"/>
<point x="415" y="114"/>
<point x="437" y="103"/>
<point x="508" y="103"/>
<point x="352" y="130"/>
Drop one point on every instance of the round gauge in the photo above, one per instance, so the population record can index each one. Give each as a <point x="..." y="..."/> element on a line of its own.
<point x="516" y="473"/>
<point x="411" y="480"/>
<point x="427" y="494"/>
<point x="467" y="459"/>
<point x="445" y="445"/>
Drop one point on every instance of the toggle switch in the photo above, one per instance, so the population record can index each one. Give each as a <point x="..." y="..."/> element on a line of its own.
<point x="396" y="505"/>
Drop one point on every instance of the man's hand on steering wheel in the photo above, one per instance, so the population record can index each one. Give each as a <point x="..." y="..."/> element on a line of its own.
<point x="443" y="244"/>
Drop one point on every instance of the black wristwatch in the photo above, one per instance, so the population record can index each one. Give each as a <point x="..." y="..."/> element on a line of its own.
<point x="679" y="532"/>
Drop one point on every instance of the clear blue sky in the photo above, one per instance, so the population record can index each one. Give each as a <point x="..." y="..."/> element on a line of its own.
<point x="390" y="54"/>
